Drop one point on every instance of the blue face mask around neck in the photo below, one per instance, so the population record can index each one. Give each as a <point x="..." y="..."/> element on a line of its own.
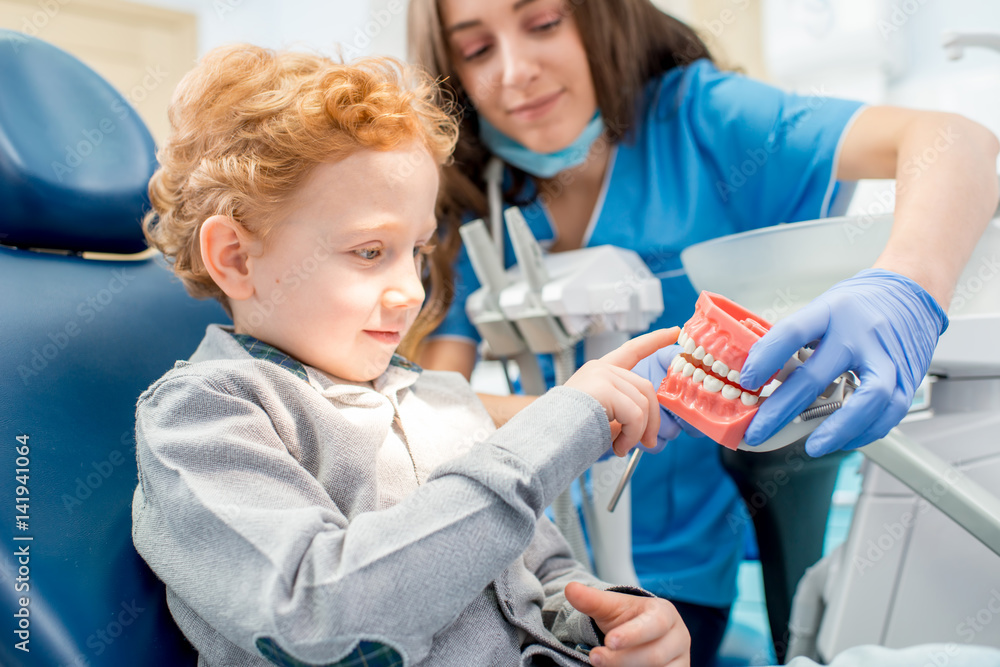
<point x="541" y="165"/>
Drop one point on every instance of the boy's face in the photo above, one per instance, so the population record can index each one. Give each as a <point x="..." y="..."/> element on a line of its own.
<point x="337" y="284"/>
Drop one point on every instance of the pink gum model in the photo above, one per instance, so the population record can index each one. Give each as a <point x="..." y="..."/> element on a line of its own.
<point x="702" y="385"/>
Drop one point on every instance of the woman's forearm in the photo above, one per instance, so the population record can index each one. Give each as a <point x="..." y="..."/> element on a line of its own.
<point x="502" y="408"/>
<point x="946" y="193"/>
<point x="946" y="188"/>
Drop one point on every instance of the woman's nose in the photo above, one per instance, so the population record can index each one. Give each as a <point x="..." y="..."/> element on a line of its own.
<point x="520" y="67"/>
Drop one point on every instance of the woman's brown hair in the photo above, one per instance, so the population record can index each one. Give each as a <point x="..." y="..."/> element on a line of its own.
<point x="628" y="42"/>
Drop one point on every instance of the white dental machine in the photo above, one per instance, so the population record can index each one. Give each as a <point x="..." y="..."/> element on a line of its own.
<point x="921" y="560"/>
<point x="547" y="304"/>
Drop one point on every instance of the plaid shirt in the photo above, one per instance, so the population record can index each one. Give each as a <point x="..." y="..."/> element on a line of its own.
<point x="367" y="654"/>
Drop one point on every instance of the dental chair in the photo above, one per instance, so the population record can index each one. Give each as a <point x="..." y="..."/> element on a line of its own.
<point x="81" y="338"/>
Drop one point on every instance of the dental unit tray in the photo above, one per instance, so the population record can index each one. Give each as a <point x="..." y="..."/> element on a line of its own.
<point x="702" y="385"/>
<point x="547" y="303"/>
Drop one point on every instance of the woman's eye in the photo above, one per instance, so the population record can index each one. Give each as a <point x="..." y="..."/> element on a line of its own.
<point x="548" y="25"/>
<point x="475" y="54"/>
<point x="369" y="253"/>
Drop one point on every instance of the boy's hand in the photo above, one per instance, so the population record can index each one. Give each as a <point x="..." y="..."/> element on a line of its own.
<point x="626" y="397"/>
<point x="637" y="630"/>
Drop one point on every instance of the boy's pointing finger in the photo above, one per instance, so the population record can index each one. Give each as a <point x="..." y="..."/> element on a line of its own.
<point x="637" y="349"/>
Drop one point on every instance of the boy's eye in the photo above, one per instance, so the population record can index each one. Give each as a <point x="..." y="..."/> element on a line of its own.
<point x="368" y="253"/>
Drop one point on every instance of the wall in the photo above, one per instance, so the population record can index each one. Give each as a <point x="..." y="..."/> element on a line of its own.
<point x="886" y="52"/>
<point x="304" y="24"/>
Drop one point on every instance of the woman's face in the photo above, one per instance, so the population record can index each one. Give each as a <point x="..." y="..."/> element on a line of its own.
<point x="524" y="66"/>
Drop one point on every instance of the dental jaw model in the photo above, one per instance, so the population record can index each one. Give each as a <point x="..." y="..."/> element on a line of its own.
<point x="702" y="385"/>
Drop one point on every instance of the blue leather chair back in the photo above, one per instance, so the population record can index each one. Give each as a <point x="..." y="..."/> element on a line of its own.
<point x="80" y="339"/>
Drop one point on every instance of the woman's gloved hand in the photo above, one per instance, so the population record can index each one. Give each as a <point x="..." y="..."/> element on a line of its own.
<point x="879" y="324"/>
<point x="654" y="368"/>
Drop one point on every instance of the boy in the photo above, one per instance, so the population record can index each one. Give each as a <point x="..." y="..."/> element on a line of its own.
<point x="309" y="497"/>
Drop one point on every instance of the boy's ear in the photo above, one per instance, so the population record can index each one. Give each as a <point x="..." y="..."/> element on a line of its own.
<point x="225" y="248"/>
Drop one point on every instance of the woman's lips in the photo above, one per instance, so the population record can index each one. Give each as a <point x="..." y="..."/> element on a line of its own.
<point x="536" y="108"/>
<point x="391" y="337"/>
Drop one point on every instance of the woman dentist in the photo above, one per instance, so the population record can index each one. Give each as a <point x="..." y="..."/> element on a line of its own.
<point x="615" y="127"/>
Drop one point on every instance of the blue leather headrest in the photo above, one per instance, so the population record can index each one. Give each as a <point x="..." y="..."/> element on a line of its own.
<point x="75" y="158"/>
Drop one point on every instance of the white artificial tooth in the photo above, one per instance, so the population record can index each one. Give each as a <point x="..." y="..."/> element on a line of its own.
<point x="689" y="346"/>
<point x="709" y="360"/>
<point x="687" y="370"/>
<point x="730" y="392"/>
<point x="748" y="398"/>
<point x="720" y="369"/>
<point x="699" y="375"/>
<point x="699" y="353"/>
<point x="682" y="338"/>
<point x="712" y="384"/>
<point x="734" y="376"/>
<point x="677" y="364"/>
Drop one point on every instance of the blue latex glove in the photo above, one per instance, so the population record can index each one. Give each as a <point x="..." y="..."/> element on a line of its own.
<point x="879" y="324"/>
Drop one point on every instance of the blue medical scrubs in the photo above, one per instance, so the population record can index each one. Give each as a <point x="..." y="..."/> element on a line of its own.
<point x="714" y="153"/>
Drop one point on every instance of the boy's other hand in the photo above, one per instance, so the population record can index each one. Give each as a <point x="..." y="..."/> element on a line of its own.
<point x="637" y="630"/>
<point x="626" y="397"/>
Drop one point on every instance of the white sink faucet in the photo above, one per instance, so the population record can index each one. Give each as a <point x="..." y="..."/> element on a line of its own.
<point x="956" y="42"/>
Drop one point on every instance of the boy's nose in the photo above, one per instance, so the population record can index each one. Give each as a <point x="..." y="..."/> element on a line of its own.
<point x="406" y="290"/>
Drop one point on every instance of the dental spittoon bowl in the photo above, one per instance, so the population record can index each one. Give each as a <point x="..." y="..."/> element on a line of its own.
<point x="777" y="270"/>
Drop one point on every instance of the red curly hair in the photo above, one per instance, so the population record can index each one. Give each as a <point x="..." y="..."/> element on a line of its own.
<point x="248" y="124"/>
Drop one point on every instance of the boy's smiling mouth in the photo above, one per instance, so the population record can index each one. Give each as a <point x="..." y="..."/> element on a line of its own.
<point x="392" y="337"/>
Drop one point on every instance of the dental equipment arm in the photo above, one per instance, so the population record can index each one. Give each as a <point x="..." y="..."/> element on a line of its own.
<point x="967" y="503"/>
<point x="500" y="334"/>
